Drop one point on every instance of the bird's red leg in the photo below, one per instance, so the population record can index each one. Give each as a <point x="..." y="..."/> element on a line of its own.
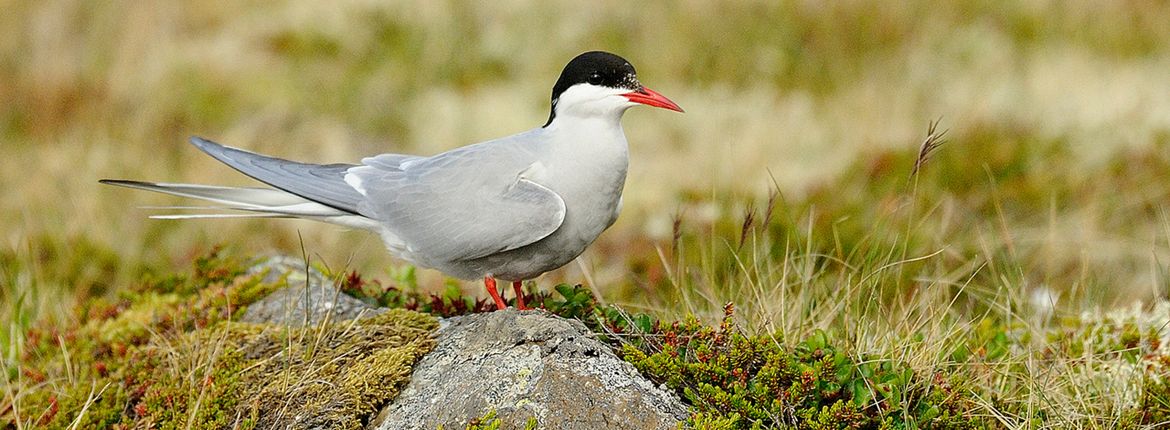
<point x="519" y="296"/>
<point x="490" y="283"/>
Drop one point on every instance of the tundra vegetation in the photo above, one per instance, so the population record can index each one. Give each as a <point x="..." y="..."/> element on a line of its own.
<point x="797" y="250"/>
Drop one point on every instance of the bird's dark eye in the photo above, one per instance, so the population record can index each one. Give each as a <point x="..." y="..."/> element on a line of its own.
<point x="595" y="78"/>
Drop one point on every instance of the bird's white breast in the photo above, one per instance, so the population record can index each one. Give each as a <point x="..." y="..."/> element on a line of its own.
<point x="586" y="166"/>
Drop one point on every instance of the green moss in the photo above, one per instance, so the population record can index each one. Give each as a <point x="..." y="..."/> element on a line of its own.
<point x="343" y="374"/>
<point x="168" y="353"/>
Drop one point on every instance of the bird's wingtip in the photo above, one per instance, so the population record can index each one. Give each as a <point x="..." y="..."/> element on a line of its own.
<point x="206" y="145"/>
<point x="128" y="183"/>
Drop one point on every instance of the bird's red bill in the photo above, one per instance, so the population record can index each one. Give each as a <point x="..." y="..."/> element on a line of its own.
<point x="650" y="97"/>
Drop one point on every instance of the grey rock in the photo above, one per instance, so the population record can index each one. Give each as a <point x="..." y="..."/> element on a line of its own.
<point x="527" y="364"/>
<point x="288" y="305"/>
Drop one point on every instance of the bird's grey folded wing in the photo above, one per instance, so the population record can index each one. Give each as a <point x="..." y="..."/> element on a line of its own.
<point x="324" y="184"/>
<point x="461" y="208"/>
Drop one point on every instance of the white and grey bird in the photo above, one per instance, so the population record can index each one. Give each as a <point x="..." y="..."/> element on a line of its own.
<point x="511" y="208"/>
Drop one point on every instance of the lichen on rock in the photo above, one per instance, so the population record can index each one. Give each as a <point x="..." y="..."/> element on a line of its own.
<point x="526" y="365"/>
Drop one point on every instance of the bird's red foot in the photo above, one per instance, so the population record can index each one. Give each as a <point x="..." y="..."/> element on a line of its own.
<point x="490" y="283"/>
<point x="519" y="296"/>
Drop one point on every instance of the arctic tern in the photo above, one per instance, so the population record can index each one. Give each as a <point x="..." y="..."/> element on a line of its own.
<point x="511" y="208"/>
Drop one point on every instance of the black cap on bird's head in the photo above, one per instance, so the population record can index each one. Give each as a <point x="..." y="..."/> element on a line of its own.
<point x="603" y="69"/>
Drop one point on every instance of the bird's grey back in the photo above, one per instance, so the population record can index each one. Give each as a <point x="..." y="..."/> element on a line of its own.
<point x="462" y="204"/>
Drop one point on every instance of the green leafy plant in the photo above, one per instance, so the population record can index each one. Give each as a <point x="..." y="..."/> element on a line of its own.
<point x="489" y="422"/>
<point x="734" y="380"/>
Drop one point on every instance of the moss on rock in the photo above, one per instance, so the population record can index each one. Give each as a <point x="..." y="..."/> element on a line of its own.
<point x="341" y="373"/>
<point x="169" y="352"/>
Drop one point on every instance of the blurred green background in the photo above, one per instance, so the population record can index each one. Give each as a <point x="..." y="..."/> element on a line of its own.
<point x="1055" y="173"/>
